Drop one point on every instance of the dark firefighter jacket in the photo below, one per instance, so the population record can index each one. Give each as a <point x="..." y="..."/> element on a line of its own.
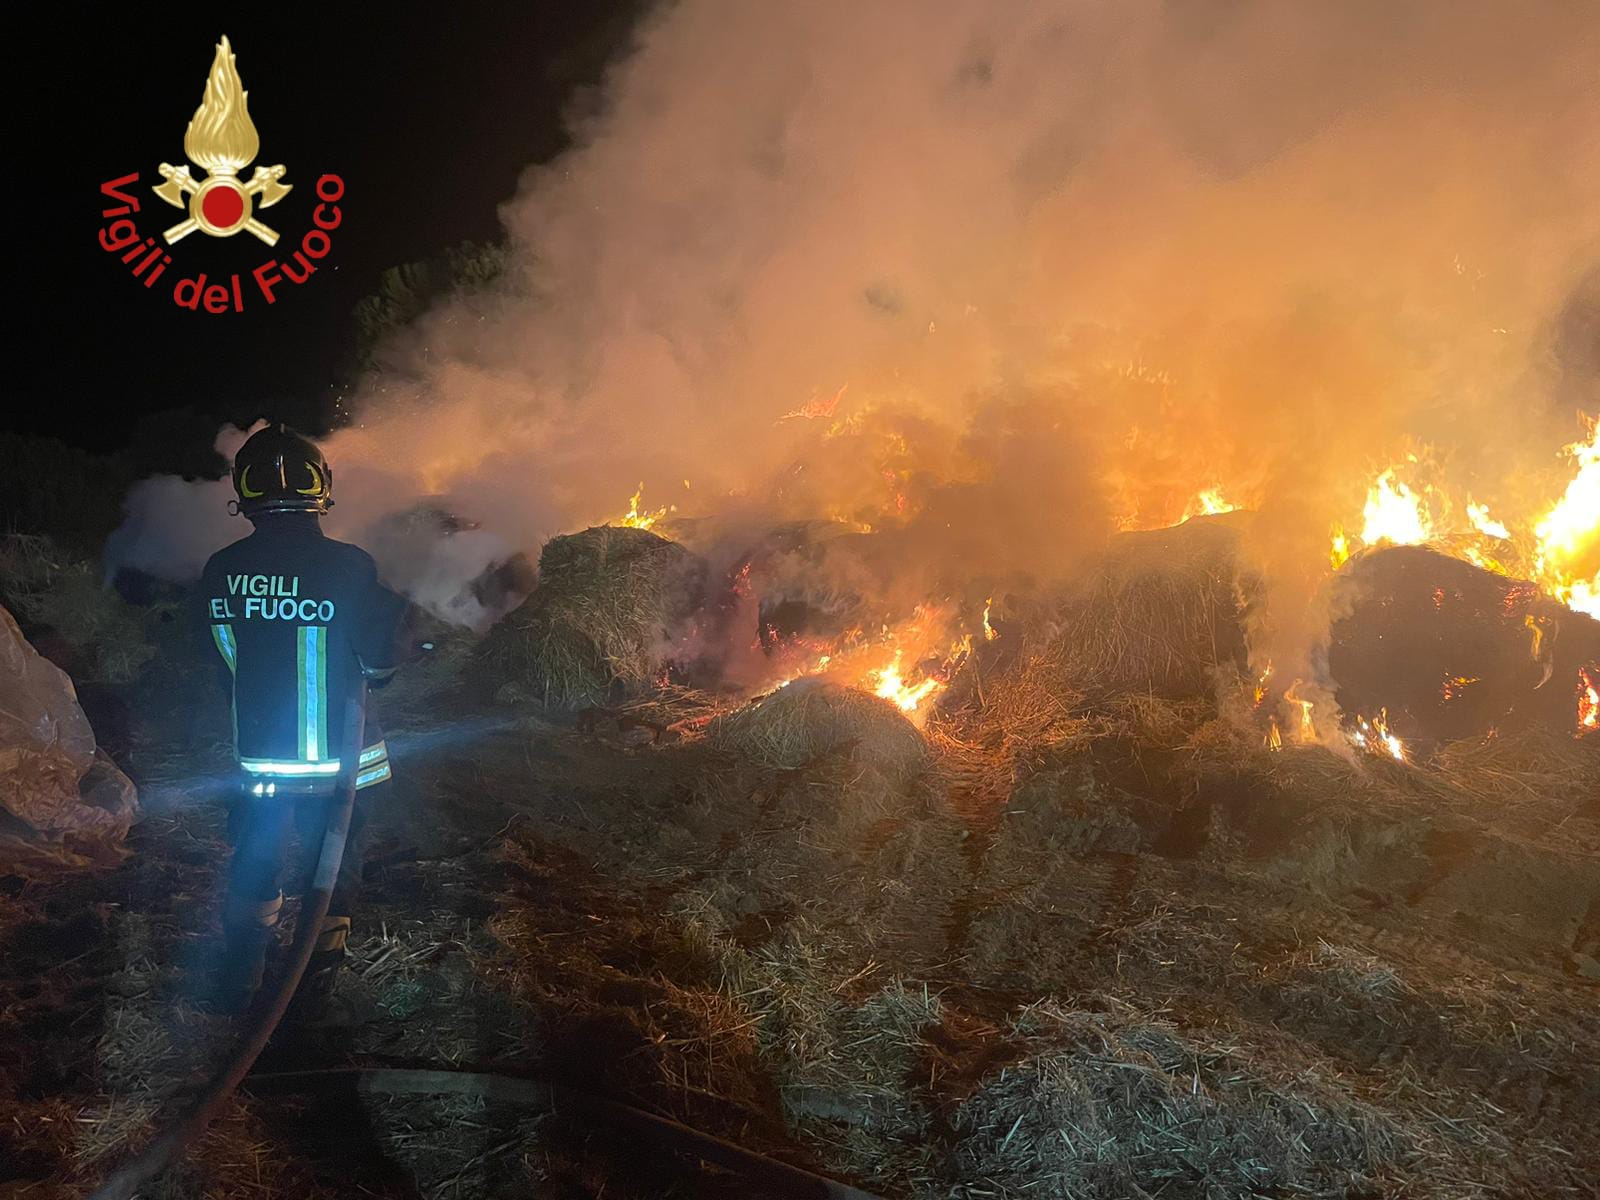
<point x="297" y="617"/>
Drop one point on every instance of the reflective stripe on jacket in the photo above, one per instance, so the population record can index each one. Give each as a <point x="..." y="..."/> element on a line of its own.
<point x="294" y="615"/>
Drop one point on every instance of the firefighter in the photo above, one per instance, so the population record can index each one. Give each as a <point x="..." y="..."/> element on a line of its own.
<point x="298" y="620"/>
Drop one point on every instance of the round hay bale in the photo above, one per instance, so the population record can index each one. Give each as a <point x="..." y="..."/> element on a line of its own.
<point x="811" y="718"/>
<point x="1159" y="614"/>
<point x="1450" y="650"/>
<point x="601" y="624"/>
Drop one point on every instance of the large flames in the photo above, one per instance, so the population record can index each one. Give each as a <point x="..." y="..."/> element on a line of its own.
<point x="1208" y="503"/>
<point x="1567" y="560"/>
<point x="1559" y="548"/>
<point x="1394" y="513"/>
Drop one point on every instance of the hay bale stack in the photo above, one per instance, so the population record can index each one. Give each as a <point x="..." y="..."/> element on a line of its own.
<point x="601" y="623"/>
<point x="1159" y="613"/>
<point x="811" y="719"/>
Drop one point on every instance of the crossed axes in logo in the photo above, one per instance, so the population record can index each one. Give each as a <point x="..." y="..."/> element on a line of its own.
<point x="180" y="185"/>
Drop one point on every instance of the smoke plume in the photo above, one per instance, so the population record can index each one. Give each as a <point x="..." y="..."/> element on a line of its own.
<point x="1005" y="277"/>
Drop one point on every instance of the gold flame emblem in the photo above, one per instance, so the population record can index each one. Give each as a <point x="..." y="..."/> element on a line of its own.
<point x="221" y="140"/>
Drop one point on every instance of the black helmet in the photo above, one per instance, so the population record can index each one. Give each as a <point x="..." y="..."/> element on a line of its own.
<point x="277" y="470"/>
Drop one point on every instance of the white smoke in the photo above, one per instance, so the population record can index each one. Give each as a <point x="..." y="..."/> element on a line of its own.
<point x="172" y="526"/>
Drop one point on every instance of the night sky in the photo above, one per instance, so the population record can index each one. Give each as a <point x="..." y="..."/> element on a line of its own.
<point x="428" y="112"/>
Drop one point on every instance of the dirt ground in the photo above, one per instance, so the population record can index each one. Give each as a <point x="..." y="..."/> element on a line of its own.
<point x="1116" y="957"/>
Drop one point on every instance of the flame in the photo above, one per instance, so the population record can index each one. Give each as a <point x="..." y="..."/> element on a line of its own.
<point x="891" y="686"/>
<point x="1455" y="685"/>
<point x="1560" y="551"/>
<point x="1535" y="628"/>
<point x="878" y="663"/>
<point x="1583" y="596"/>
<point x="1260" y="690"/>
<point x="1478" y="558"/>
<point x="909" y="697"/>
<point x="1588" y="700"/>
<point x="816" y="407"/>
<point x="636" y="518"/>
<point x="1207" y="503"/>
<point x="1394" y="513"/>
<point x="1339" y="552"/>
<point x="1305" y="725"/>
<point x="1478" y="514"/>
<point x="989" y="631"/>
<point x="221" y="137"/>
<point x="1374" y="735"/>
<point x="1274" y="740"/>
<point x="1567" y="556"/>
<point x="1308" y="729"/>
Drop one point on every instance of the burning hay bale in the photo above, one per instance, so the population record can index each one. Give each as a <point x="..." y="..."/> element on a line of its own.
<point x="600" y="624"/>
<point x="810" y="719"/>
<point x="1159" y="614"/>
<point x="1450" y="650"/>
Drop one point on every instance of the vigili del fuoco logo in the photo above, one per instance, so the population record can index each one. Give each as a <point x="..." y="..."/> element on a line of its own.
<point x="221" y="142"/>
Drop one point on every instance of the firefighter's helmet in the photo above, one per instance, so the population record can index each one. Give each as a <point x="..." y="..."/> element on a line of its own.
<point x="277" y="470"/>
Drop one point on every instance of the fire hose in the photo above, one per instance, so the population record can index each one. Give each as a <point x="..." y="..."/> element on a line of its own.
<point x="774" y="1177"/>
<point x="169" y="1147"/>
<point x="782" y="1178"/>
